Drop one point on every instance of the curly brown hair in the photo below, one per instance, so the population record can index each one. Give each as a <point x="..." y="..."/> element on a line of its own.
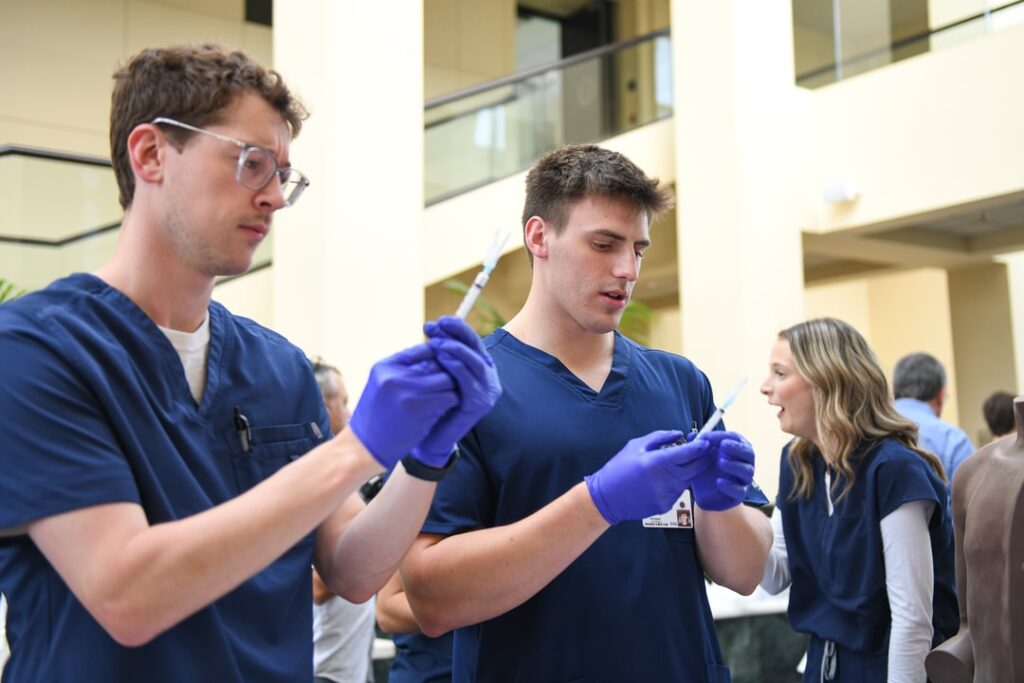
<point x="191" y="83"/>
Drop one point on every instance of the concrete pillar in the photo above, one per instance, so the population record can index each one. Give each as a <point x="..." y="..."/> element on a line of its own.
<point x="979" y="302"/>
<point x="348" y="258"/>
<point x="737" y="115"/>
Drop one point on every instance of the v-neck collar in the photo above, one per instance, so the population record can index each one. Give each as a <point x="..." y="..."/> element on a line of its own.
<point x="613" y="391"/>
<point x="162" y="346"/>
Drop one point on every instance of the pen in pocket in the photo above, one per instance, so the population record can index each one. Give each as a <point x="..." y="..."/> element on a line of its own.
<point x="243" y="429"/>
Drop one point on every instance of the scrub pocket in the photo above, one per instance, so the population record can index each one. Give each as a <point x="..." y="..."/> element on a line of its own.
<point x="719" y="674"/>
<point x="272" y="448"/>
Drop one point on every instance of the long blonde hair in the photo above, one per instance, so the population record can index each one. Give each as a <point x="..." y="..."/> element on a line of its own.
<point x="853" y="408"/>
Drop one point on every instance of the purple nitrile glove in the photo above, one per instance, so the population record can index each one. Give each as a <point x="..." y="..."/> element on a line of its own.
<point x="460" y="352"/>
<point x="724" y="484"/>
<point x="647" y="476"/>
<point x="405" y="395"/>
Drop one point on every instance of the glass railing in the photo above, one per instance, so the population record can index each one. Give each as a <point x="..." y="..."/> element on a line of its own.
<point x="488" y="132"/>
<point x="60" y="216"/>
<point x="838" y="39"/>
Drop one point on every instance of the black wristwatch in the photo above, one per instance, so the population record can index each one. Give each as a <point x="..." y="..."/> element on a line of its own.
<point x="417" y="469"/>
<point x="371" y="488"/>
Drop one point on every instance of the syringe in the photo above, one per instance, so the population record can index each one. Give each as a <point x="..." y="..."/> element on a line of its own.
<point x="716" y="417"/>
<point x="490" y="261"/>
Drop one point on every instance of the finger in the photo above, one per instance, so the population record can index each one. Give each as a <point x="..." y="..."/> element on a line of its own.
<point x="431" y="328"/>
<point x="731" y="490"/>
<point x="687" y="454"/>
<point x="413" y="354"/>
<point x="716" y="436"/>
<point x="424" y="376"/>
<point x="736" y="470"/>
<point x="737" y="451"/>
<point x="661" y="438"/>
<point x="692" y="468"/>
<point x="456" y="328"/>
<point x="449" y="352"/>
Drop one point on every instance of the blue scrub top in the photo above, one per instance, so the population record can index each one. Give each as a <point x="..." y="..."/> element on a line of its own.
<point x="96" y="409"/>
<point x="837" y="562"/>
<point x="633" y="605"/>
<point x="420" y="659"/>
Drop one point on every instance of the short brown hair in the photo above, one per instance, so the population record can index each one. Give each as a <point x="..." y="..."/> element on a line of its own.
<point x="998" y="412"/>
<point x="573" y="172"/>
<point x="191" y="83"/>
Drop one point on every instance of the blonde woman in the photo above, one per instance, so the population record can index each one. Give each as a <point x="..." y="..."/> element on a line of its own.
<point x="862" y="533"/>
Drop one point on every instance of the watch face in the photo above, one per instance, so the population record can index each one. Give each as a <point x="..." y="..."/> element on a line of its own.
<point x="371" y="488"/>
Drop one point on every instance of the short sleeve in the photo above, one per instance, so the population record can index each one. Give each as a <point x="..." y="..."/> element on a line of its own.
<point x="905" y="476"/>
<point x="58" y="451"/>
<point x="463" y="501"/>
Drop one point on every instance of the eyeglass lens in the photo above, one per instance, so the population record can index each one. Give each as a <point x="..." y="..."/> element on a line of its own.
<point x="256" y="168"/>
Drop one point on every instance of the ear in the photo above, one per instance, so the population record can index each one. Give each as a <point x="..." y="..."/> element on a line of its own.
<point x="146" y="147"/>
<point x="535" y="234"/>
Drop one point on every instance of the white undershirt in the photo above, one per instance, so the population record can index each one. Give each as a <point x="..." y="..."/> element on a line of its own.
<point x="193" y="349"/>
<point x="909" y="582"/>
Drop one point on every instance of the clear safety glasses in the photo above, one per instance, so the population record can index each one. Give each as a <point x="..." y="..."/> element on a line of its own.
<point x="257" y="165"/>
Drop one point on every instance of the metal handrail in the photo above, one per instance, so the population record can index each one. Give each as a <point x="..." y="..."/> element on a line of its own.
<point x="544" y="68"/>
<point x="902" y="42"/>
<point x="53" y="155"/>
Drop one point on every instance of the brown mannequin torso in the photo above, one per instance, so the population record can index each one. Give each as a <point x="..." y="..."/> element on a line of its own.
<point x="988" y="520"/>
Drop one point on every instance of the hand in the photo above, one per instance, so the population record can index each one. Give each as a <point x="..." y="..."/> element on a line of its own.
<point x="724" y="484"/>
<point x="647" y="476"/>
<point x="404" y="398"/>
<point x="460" y="352"/>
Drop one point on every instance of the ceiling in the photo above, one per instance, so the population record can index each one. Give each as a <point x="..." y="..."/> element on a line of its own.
<point x="949" y="238"/>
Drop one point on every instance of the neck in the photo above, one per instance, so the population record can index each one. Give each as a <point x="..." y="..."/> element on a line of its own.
<point x="170" y="294"/>
<point x="550" y="330"/>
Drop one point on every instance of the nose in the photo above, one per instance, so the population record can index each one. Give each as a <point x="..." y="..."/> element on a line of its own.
<point x="271" y="197"/>
<point x="766" y="388"/>
<point x="627" y="267"/>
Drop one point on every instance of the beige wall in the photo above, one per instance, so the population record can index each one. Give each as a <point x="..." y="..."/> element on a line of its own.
<point x="251" y="296"/>
<point x="348" y="259"/>
<point x="983" y="340"/>
<point x="739" y="251"/>
<point x="466" y="42"/>
<point x="897" y="314"/>
<point x="1015" y="276"/>
<point x="920" y="135"/>
<point x="58" y="57"/>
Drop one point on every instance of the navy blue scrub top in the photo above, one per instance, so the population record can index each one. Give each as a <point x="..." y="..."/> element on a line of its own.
<point x="837" y="563"/>
<point x="633" y="606"/>
<point x="420" y="659"/>
<point x="96" y="409"/>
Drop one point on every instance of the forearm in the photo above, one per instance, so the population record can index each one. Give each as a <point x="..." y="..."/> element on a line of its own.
<point x="468" y="578"/>
<point x="776" y="570"/>
<point x="357" y="560"/>
<point x="733" y="546"/>
<point x="909" y="584"/>
<point x="393" y="612"/>
<point x="139" y="580"/>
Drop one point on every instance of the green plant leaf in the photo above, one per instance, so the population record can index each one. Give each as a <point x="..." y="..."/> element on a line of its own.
<point x="487" y="316"/>
<point x="8" y="291"/>
<point x="636" y="322"/>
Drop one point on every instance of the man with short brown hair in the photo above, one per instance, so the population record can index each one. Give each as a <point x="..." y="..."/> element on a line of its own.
<point x="168" y="468"/>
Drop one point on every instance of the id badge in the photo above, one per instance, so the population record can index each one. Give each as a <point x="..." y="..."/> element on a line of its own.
<point x="679" y="516"/>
